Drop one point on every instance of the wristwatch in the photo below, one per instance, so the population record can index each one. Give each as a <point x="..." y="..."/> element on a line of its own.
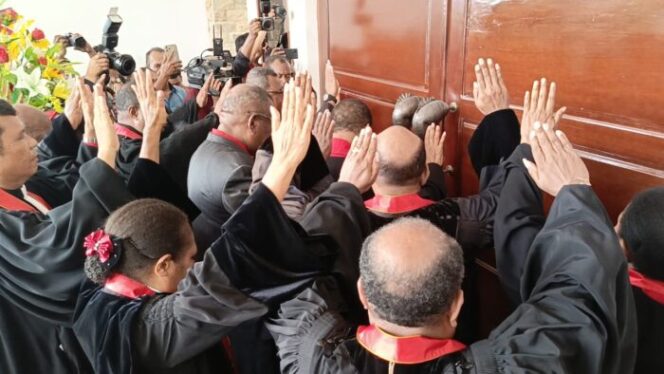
<point x="327" y="97"/>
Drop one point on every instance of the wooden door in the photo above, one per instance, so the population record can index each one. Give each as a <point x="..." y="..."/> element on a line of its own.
<point x="606" y="57"/>
<point x="381" y="49"/>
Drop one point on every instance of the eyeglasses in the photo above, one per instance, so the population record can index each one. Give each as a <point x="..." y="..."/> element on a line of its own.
<point x="287" y="76"/>
<point x="257" y="114"/>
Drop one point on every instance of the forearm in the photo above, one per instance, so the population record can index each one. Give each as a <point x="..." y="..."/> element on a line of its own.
<point x="150" y="147"/>
<point x="278" y="177"/>
<point x="248" y="45"/>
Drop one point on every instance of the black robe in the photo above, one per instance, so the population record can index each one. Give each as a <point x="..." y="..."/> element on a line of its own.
<point x="276" y="265"/>
<point x="41" y="262"/>
<point x="164" y="333"/>
<point x="576" y="313"/>
<point x="650" y="317"/>
<point x="175" y="149"/>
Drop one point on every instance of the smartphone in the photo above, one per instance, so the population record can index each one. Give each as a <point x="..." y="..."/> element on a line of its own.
<point x="291" y="53"/>
<point x="172" y="52"/>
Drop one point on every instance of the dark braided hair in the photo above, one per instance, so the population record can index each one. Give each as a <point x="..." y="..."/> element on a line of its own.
<point x="148" y="229"/>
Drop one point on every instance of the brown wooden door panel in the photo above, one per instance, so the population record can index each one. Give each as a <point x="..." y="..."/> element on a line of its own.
<point x="606" y="61"/>
<point x="381" y="49"/>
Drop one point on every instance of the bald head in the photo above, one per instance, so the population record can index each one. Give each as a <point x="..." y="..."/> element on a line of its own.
<point x="401" y="156"/>
<point x="411" y="272"/>
<point x="36" y="122"/>
<point x="245" y="98"/>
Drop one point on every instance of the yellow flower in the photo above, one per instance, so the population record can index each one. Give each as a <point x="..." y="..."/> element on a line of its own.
<point x="61" y="90"/>
<point x="51" y="73"/>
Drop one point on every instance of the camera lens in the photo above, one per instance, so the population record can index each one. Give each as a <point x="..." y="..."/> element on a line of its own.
<point x="267" y="24"/>
<point x="124" y="64"/>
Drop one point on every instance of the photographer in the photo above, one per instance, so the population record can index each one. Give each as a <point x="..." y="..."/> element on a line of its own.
<point x="166" y="69"/>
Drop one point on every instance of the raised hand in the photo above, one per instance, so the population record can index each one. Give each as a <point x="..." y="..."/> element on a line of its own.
<point x="222" y="96"/>
<point x="204" y="92"/>
<point x="434" y="141"/>
<point x="107" y="139"/>
<point x="87" y="109"/>
<point x="489" y="90"/>
<point x="291" y="134"/>
<point x="73" y="109"/>
<point x="331" y="83"/>
<point x="323" y="129"/>
<point x="360" y="167"/>
<point x="152" y="102"/>
<point x="538" y="106"/>
<point x="556" y="163"/>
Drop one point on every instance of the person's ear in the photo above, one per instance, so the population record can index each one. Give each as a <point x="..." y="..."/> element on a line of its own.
<point x="252" y="124"/>
<point x="134" y="111"/>
<point x="425" y="176"/>
<point x="363" y="297"/>
<point x="455" y="309"/>
<point x="164" y="266"/>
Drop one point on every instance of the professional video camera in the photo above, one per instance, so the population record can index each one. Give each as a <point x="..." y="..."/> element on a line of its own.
<point x="269" y="20"/>
<point x="124" y="64"/>
<point x="219" y="64"/>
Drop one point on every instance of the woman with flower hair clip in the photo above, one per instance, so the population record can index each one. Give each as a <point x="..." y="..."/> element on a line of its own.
<point x="147" y="307"/>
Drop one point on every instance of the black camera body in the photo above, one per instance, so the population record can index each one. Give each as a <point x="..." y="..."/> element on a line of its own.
<point x="220" y="67"/>
<point x="75" y="40"/>
<point x="123" y="63"/>
<point x="219" y="64"/>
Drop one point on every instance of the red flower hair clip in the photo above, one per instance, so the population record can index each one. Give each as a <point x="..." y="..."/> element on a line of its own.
<point x="103" y="245"/>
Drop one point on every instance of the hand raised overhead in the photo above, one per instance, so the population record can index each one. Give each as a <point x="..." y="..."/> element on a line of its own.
<point x="489" y="90"/>
<point x="152" y="102"/>
<point x="73" y="109"/>
<point x="556" y="163"/>
<point x="538" y="106"/>
<point x="360" y="168"/>
<point x="291" y="134"/>
<point x="107" y="139"/>
<point x="323" y="129"/>
<point x="434" y="142"/>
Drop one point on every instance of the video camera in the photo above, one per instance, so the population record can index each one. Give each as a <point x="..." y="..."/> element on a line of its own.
<point x="124" y="64"/>
<point x="268" y="21"/>
<point x="219" y="64"/>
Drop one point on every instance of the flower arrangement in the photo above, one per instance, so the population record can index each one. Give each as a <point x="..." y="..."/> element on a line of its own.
<point x="31" y="68"/>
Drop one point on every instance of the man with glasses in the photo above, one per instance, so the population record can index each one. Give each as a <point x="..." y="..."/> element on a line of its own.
<point x="220" y="169"/>
<point x="166" y="72"/>
<point x="282" y="66"/>
<point x="268" y="80"/>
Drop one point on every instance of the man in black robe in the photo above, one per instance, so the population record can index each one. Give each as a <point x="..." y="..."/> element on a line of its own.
<point x="179" y="142"/>
<point x="576" y="312"/>
<point x="220" y="170"/>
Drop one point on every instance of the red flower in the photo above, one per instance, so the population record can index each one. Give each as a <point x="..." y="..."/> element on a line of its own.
<point x="4" y="56"/>
<point x="43" y="60"/>
<point x="8" y="15"/>
<point x="37" y="35"/>
<point x="98" y="243"/>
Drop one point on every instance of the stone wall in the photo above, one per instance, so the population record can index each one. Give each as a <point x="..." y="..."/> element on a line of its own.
<point x="233" y="17"/>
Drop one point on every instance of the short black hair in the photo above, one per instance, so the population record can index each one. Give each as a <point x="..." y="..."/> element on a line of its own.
<point x="641" y="229"/>
<point x="406" y="172"/>
<point x="352" y="115"/>
<point x="407" y="299"/>
<point x="148" y="53"/>
<point x="6" y="109"/>
<point x="239" y="42"/>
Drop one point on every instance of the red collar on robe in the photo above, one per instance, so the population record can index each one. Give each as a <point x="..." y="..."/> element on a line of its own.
<point x="405" y="350"/>
<point x="11" y="202"/>
<point x="124" y="286"/>
<point x="397" y="204"/>
<point x="128" y="132"/>
<point x="232" y="139"/>
<point x="654" y="289"/>
<point x="340" y="148"/>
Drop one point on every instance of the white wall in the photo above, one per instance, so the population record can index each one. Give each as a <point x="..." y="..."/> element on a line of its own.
<point x="303" y="26"/>
<point x="147" y="23"/>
